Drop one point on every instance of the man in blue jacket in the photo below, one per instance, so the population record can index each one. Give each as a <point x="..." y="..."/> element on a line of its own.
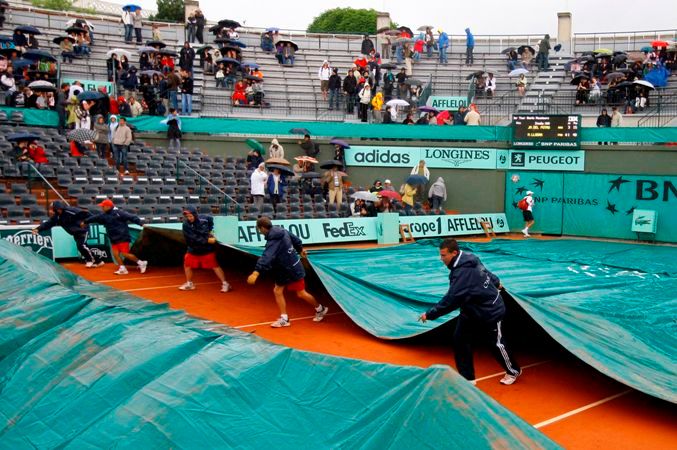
<point x="281" y="257"/>
<point x="443" y="45"/>
<point x="115" y="221"/>
<point x="476" y="291"/>
<point x="469" y="47"/>
<point x="201" y="253"/>
<point x="70" y="219"/>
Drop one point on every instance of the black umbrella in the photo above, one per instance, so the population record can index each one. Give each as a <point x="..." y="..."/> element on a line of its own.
<point x="227" y="61"/>
<point x="614" y="75"/>
<point x="311" y="175"/>
<point x="7" y="52"/>
<point x="413" y="82"/>
<point x="389" y="66"/>
<point x="331" y="163"/>
<point x="299" y="131"/>
<point x="38" y="55"/>
<point x="82" y="135"/>
<point x="20" y="137"/>
<point x="76" y="30"/>
<point x="203" y="48"/>
<point x="578" y="79"/>
<point x="27" y="29"/>
<point x="57" y="40"/>
<point x="622" y="85"/>
<point x="216" y="28"/>
<point x="339" y="142"/>
<point x="619" y="59"/>
<point x="521" y="49"/>
<point x="284" y="169"/>
<point x="587" y="53"/>
<point x="227" y="23"/>
<point x="505" y="51"/>
<point x="222" y="40"/>
<point x="287" y="41"/>
<point x="168" y="52"/>
<point x="227" y="48"/>
<point x="477" y="74"/>
<point x="156" y="44"/>
<point x="585" y="59"/>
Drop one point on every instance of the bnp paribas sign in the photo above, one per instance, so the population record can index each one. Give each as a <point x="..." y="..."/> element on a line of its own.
<point x="41" y="244"/>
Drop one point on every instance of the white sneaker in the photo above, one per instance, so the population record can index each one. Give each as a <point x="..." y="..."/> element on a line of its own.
<point x="525" y="231"/>
<point x="281" y="322"/>
<point x="319" y="315"/>
<point x="122" y="270"/>
<point x="225" y="287"/>
<point x="89" y="264"/>
<point x="100" y="264"/>
<point x="126" y="172"/>
<point x="509" y="379"/>
<point x="143" y="265"/>
<point x="187" y="286"/>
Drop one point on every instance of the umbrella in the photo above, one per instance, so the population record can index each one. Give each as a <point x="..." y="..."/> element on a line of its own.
<point x="391" y="195"/>
<point x="21" y="63"/>
<point x="228" y="47"/>
<point x="227" y="61"/>
<point x="280" y="161"/>
<point x="383" y="30"/>
<point x="203" y="48"/>
<point x="90" y="95"/>
<point x="557" y="47"/>
<point x="156" y="44"/>
<point x="518" y="72"/>
<point x="414" y="180"/>
<point x="388" y="66"/>
<point x="428" y="109"/>
<point x="227" y="23"/>
<point x="150" y="73"/>
<point x="250" y="64"/>
<point x="310" y="175"/>
<point x="397" y="102"/>
<point x="7" y="52"/>
<point x="18" y="137"/>
<point x="42" y="86"/>
<point x="614" y="75"/>
<point x="331" y="163"/>
<point x="57" y="40"/>
<point x="505" y="51"/>
<point x="76" y="30"/>
<point x="365" y="195"/>
<point x="79" y="23"/>
<point x="521" y="49"/>
<point x="441" y="117"/>
<point x="5" y="38"/>
<point x="131" y="8"/>
<point x="620" y="59"/>
<point x="413" y="82"/>
<point x="424" y="27"/>
<point x="404" y="41"/>
<point x="287" y="41"/>
<point x="393" y="32"/>
<point x="272" y="29"/>
<point x="253" y="78"/>
<point x="27" y="29"/>
<point x="299" y="131"/>
<point x="340" y="143"/>
<point x="119" y="52"/>
<point x="38" y="55"/>
<point x="622" y="85"/>
<point x="579" y="78"/>
<point x="147" y="50"/>
<point x="477" y="74"/>
<point x="308" y="159"/>
<point x="237" y="43"/>
<point x="646" y="49"/>
<point x="255" y="145"/>
<point x="604" y="51"/>
<point x="659" y="43"/>
<point x="406" y="30"/>
<point x="585" y="59"/>
<point x="644" y="83"/>
<point x="168" y="52"/>
<point x="82" y="135"/>
<point x="222" y="40"/>
<point x="284" y="169"/>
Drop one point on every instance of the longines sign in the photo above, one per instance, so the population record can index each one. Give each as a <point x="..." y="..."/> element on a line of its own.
<point x="435" y="157"/>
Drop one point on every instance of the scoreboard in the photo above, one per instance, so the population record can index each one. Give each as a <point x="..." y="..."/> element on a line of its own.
<point x="546" y="131"/>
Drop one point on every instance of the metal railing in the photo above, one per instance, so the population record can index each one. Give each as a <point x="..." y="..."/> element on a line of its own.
<point x="203" y="181"/>
<point x="35" y="174"/>
<point x="665" y="112"/>
<point x="427" y="91"/>
<point x="625" y="41"/>
<point x="498" y="108"/>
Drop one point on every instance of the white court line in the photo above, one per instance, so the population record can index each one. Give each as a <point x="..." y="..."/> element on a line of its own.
<point x="291" y="320"/>
<point x="165" y="287"/>
<point x="500" y="374"/>
<point x="581" y="409"/>
<point x="123" y="278"/>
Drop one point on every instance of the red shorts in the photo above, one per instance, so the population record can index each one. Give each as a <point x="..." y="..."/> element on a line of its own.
<point x="121" y="247"/>
<point x="207" y="261"/>
<point x="296" y="286"/>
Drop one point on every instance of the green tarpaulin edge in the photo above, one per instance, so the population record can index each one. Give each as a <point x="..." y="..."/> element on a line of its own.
<point x="85" y="366"/>
<point x="34" y="117"/>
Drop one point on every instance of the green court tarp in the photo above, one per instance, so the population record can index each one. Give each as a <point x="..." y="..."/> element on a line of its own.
<point x="35" y="117"/>
<point x="611" y="304"/>
<point x="85" y="366"/>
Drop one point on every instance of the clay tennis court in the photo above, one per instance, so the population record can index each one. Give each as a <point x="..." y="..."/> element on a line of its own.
<point x="563" y="397"/>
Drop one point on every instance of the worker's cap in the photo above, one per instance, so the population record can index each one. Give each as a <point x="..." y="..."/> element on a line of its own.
<point x="107" y="202"/>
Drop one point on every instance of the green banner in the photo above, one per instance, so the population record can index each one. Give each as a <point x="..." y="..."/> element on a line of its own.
<point x="435" y="157"/>
<point x="315" y="231"/>
<point x="90" y="85"/>
<point x="42" y="244"/>
<point x="559" y="160"/>
<point x="447" y="103"/>
<point x="454" y="225"/>
<point x="594" y="205"/>
<point x="35" y="117"/>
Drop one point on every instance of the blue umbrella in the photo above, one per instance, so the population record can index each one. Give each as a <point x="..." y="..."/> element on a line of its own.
<point x="38" y="54"/>
<point x="18" y="137"/>
<point x="27" y="29"/>
<point x="5" y="38"/>
<point x="272" y="29"/>
<point x="251" y="64"/>
<point x="646" y="49"/>
<point x="340" y="143"/>
<point x="238" y="43"/>
<point x="414" y="180"/>
<point x="90" y="95"/>
<point x="131" y="8"/>
<point x="227" y="61"/>
<point x="299" y="131"/>
<point x="21" y="63"/>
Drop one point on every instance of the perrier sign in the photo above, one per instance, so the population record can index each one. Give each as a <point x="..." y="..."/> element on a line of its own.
<point x="41" y="244"/>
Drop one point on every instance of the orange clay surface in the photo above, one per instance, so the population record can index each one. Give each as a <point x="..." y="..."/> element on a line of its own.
<point x="567" y="400"/>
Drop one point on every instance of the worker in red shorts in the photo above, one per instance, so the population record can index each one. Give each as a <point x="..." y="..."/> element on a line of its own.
<point x="281" y="256"/>
<point x="198" y="232"/>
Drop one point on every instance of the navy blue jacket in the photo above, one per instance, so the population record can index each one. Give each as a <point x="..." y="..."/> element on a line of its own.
<point x="280" y="187"/>
<point x="115" y="221"/>
<point x="197" y="233"/>
<point x="69" y="219"/>
<point x="281" y="256"/>
<point x="473" y="289"/>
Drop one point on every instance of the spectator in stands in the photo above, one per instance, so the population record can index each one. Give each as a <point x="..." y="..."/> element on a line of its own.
<point x="130" y="82"/>
<point x="254" y="159"/>
<point x="522" y="85"/>
<point x="595" y="90"/>
<point x="309" y="147"/>
<point x="275" y="150"/>
<point x="122" y="139"/>
<point x="542" y="59"/>
<point x="200" y="22"/>
<point x="443" y="45"/>
<point x="409" y="120"/>
<point x="365" y="101"/>
<point x="603" y="121"/>
<point x="155" y="33"/>
<point x="148" y="93"/>
<point x="408" y="192"/>
<point x="239" y="96"/>
<point x="459" y="116"/>
<point x="137" y="21"/>
<point x="334" y="85"/>
<point x="288" y="55"/>
<point x="418" y="49"/>
<point x="376" y="187"/>
<point x="490" y="85"/>
<point x="102" y="130"/>
<point x="473" y="116"/>
<point x="8" y="83"/>
<point x="71" y="219"/>
<point x="20" y="41"/>
<point x="82" y="46"/>
<point x="408" y="64"/>
<point x="186" y="57"/>
<point x="135" y="107"/>
<point x="350" y="90"/>
<point x="258" y="180"/>
<point x="334" y="180"/>
<point x="220" y="76"/>
<point x="377" y="107"/>
<point x="112" y="126"/>
<point x="173" y="122"/>
<point x="71" y="112"/>
<point x="75" y="89"/>
<point x="275" y="187"/>
<point x="340" y="154"/>
<point x="388" y="116"/>
<point x="388" y="186"/>
<point x="267" y="44"/>
<point x="429" y="40"/>
<point x="367" y="45"/>
<point x="115" y="221"/>
<point x="386" y="45"/>
<point x="186" y="93"/>
<point x="37" y="154"/>
<point x="67" y="51"/>
<point x="128" y="23"/>
<point x="583" y="91"/>
<point x="421" y="169"/>
<point x="123" y="107"/>
<point x="279" y="52"/>
<point x="616" y="117"/>
<point x="469" y="47"/>
<point x="437" y="194"/>
<point x="324" y="73"/>
<point x="173" y="84"/>
<point x="60" y="104"/>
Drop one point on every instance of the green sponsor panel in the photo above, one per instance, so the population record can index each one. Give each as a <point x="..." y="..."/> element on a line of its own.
<point x="42" y="244"/>
<point x="559" y="160"/>
<point x="435" y="157"/>
<point x="454" y="225"/>
<point x="90" y="85"/>
<point x="604" y="205"/>
<point x="549" y="197"/>
<point x="447" y="103"/>
<point x="314" y="231"/>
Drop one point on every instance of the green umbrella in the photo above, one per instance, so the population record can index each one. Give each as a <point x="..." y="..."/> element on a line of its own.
<point x="604" y="51"/>
<point x="256" y="145"/>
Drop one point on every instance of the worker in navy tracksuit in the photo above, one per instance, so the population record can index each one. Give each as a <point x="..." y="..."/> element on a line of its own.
<point x="476" y="291"/>
<point x="70" y="219"/>
<point x="282" y="256"/>
<point x="115" y="221"/>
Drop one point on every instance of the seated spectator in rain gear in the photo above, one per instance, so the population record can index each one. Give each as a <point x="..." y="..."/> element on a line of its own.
<point x="267" y="42"/>
<point x="288" y="55"/>
<point x="254" y="159"/>
<point x="437" y="194"/>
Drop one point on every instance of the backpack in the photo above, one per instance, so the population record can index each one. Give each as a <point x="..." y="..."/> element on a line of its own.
<point x="523" y="205"/>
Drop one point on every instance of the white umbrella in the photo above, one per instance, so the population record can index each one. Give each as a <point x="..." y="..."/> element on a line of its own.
<point x="397" y="102"/>
<point x="71" y="23"/>
<point x="644" y="83"/>
<point x="366" y="196"/>
<point x="517" y="72"/>
<point x="119" y="52"/>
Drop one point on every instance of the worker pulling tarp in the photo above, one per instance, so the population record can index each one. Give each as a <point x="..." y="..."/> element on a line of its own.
<point x="84" y="365"/>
